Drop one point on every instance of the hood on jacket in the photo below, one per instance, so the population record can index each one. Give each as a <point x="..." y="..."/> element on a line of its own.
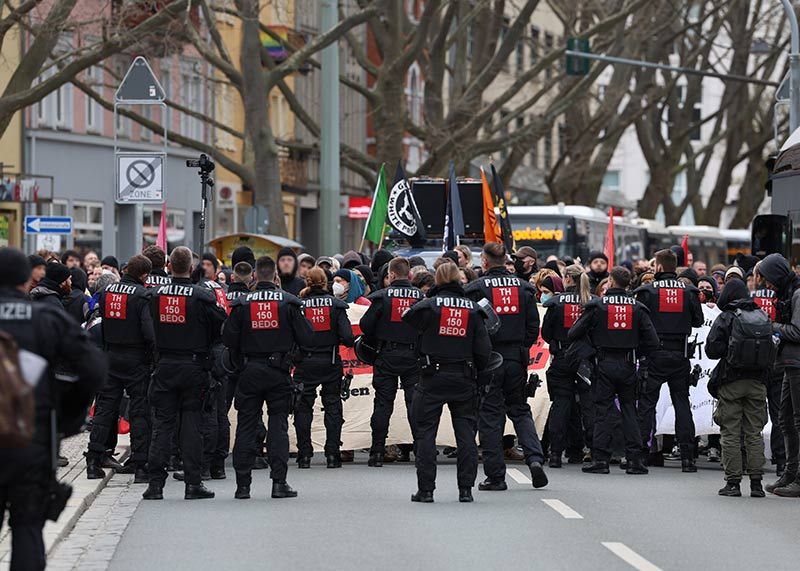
<point x="286" y="251"/>
<point x="734" y="291"/>
<point x="776" y="270"/>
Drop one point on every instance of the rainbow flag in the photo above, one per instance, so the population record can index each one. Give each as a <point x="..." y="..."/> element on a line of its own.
<point x="276" y="49"/>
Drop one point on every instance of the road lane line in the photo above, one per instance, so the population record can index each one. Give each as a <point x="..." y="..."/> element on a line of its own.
<point x="629" y="556"/>
<point x="518" y="476"/>
<point x="562" y="508"/>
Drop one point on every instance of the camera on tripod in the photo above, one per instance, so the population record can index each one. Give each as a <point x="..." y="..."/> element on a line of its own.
<point x="205" y="164"/>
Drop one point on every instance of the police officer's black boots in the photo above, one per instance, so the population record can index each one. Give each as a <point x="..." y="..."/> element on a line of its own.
<point x="282" y="490"/>
<point x="93" y="469"/>
<point x="334" y="460"/>
<point x="731" y="490"/>
<point x="489" y="485"/>
<point x="756" y="491"/>
<point x="140" y="476"/>
<point x="538" y="477"/>
<point x="197" y="492"/>
<point x="112" y="463"/>
<point x="465" y="495"/>
<point x="218" y="472"/>
<point x="154" y="491"/>
<point x="304" y="462"/>
<point x="555" y="460"/>
<point x="599" y="467"/>
<point x="636" y="466"/>
<point x="425" y="497"/>
<point x="375" y="460"/>
<point x="242" y="487"/>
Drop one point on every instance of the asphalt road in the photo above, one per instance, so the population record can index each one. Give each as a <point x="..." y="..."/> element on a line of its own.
<point x="362" y="518"/>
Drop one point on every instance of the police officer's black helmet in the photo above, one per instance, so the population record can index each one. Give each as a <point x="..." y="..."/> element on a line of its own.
<point x="365" y="350"/>
<point x="495" y="362"/>
<point x="227" y="362"/>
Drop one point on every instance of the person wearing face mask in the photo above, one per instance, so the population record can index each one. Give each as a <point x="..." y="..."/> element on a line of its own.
<point x="564" y="308"/>
<point x="550" y="286"/>
<point x="347" y="287"/>
<point x="708" y="290"/>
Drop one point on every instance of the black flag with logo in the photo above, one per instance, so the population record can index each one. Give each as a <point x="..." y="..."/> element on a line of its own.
<point x="505" y="222"/>
<point x="402" y="211"/>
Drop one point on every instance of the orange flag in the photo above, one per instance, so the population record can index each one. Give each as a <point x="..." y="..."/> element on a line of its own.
<point x="491" y="229"/>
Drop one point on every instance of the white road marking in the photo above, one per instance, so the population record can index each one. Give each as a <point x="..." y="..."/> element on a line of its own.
<point x="518" y="476"/>
<point x="562" y="508"/>
<point x="629" y="556"/>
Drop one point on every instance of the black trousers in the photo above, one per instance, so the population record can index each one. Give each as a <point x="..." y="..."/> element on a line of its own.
<point x="566" y="391"/>
<point x="506" y="397"/>
<point x="427" y="411"/>
<point x="790" y="417"/>
<point x="25" y="498"/>
<point x="260" y="383"/>
<point x="126" y="373"/>
<point x="216" y="428"/>
<point x="392" y="367"/>
<point x="776" y="441"/>
<point x="615" y="378"/>
<point x="329" y="377"/>
<point x="177" y="391"/>
<point x="669" y="367"/>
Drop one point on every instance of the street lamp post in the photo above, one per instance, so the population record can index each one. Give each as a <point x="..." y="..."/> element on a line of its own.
<point x="794" y="67"/>
<point x="329" y="145"/>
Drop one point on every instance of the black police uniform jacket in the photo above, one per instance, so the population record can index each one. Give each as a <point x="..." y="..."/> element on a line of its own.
<point x="157" y="278"/>
<point x="383" y="320"/>
<point x="563" y="311"/>
<point x="451" y="331"/>
<point x="235" y="291"/>
<point x="127" y="321"/>
<point x="674" y="308"/>
<point x="186" y="318"/>
<point x="617" y="322"/>
<point x="266" y="321"/>
<point x="54" y="336"/>
<point x="331" y="326"/>
<point x="514" y="301"/>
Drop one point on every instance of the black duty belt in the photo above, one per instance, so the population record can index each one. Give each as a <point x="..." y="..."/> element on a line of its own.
<point x="616" y="354"/>
<point x="677" y="345"/>
<point x="398" y="345"/>
<point x="125" y="349"/>
<point x="182" y="356"/>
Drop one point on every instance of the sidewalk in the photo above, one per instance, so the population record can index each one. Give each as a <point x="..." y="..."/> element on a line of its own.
<point x="83" y="494"/>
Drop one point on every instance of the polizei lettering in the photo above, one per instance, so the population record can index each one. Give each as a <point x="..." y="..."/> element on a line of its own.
<point x="318" y="302"/>
<point x="15" y="311"/>
<point x="504" y="281"/>
<point x="618" y="300"/>
<point x="403" y="292"/>
<point x="672" y="284"/>
<point x="121" y="288"/>
<point x="265" y="295"/>
<point x="176" y="289"/>
<point x="454" y="302"/>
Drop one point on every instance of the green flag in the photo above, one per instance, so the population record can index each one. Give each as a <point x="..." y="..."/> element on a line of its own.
<point x="377" y="212"/>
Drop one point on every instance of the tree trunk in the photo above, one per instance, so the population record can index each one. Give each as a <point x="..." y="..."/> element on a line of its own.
<point x="267" y="189"/>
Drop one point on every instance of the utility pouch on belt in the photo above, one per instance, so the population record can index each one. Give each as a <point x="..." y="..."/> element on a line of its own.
<point x="280" y="361"/>
<point x="347" y="379"/>
<point x="297" y="392"/>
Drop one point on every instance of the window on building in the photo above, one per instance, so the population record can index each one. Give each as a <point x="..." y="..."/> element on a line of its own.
<point x="94" y="112"/>
<point x="225" y="102"/>
<point x="501" y="38"/>
<point x="548" y="150"/>
<point x="191" y="97"/>
<point x="548" y="46"/>
<point x="562" y="139"/>
<point x="166" y="83"/>
<point x="414" y="95"/>
<point x="611" y="181"/>
<point x="87" y="223"/>
<point x="123" y="125"/>
<point x="535" y="154"/>
<point x="534" y="45"/>
<point x="470" y="41"/>
<point x="520" y="57"/>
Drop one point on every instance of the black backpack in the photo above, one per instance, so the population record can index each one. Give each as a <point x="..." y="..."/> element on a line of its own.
<point x="751" y="344"/>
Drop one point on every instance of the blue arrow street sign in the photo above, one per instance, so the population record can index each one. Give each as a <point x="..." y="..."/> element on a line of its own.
<point x="48" y="224"/>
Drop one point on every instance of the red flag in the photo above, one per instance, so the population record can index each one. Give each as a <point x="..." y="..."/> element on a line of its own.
<point x="491" y="229"/>
<point x="685" y="247"/>
<point x="609" y="246"/>
<point x="161" y="240"/>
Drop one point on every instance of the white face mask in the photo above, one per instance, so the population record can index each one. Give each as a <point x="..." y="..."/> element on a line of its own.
<point x="545" y="297"/>
<point x="338" y="289"/>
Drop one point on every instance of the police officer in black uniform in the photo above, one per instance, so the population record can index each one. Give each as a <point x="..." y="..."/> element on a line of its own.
<point x="187" y="320"/>
<point x="620" y="329"/>
<point x="127" y="337"/>
<point x="674" y="309"/>
<point x="397" y="351"/>
<point x="563" y="384"/>
<point x="514" y="301"/>
<point x="319" y="364"/>
<point x="265" y="327"/>
<point x="767" y="299"/>
<point x="454" y="347"/>
<point x="157" y="275"/>
<point x="26" y="469"/>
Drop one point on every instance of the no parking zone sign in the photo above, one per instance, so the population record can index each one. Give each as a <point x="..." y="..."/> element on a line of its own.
<point x="140" y="177"/>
